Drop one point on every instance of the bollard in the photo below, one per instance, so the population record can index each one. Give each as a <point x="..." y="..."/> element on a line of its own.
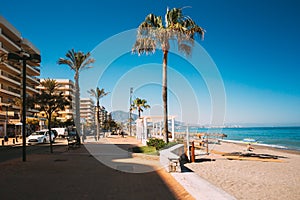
<point x="16" y="139"/>
<point x="13" y="141"/>
<point x="2" y="142"/>
<point x="193" y="152"/>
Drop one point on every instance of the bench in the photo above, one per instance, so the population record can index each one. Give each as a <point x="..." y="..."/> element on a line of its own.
<point x="73" y="142"/>
<point x="170" y="158"/>
<point x="174" y="164"/>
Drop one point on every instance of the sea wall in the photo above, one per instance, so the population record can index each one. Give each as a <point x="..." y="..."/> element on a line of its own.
<point x="169" y="158"/>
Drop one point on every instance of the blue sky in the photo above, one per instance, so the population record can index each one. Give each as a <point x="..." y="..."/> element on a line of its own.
<point x="254" y="44"/>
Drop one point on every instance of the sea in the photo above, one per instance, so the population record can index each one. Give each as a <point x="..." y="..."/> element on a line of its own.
<point x="277" y="137"/>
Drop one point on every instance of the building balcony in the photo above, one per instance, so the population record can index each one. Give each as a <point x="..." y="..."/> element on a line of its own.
<point x="33" y="80"/>
<point x="11" y="69"/>
<point x="9" y="80"/>
<point x="31" y="89"/>
<point x="67" y="111"/>
<point x="29" y="47"/>
<point x="32" y="70"/>
<point x="10" y="29"/>
<point x="11" y="92"/>
<point x="11" y="45"/>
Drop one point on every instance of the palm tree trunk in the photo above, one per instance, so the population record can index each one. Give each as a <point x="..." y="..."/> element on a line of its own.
<point x="77" y="103"/>
<point x="50" y="136"/>
<point x="165" y="95"/>
<point x="98" y="116"/>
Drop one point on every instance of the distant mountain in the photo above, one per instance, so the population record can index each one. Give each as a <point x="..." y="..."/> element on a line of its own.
<point x="121" y="116"/>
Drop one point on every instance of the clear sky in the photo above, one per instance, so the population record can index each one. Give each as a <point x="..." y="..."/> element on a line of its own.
<point x="254" y="45"/>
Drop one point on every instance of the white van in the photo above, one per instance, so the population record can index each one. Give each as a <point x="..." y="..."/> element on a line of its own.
<point x="61" y="132"/>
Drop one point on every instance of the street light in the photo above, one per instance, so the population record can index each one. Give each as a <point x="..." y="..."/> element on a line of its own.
<point x="36" y="58"/>
<point x="130" y="110"/>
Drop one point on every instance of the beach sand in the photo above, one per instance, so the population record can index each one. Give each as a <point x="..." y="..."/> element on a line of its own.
<point x="251" y="179"/>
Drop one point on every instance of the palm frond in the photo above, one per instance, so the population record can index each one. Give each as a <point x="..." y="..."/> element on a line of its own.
<point x="152" y="33"/>
<point x="77" y="61"/>
<point x="50" y="85"/>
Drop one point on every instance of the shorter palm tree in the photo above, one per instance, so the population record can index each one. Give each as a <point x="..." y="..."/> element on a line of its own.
<point x="139" y="104"/>
<point x="50" y="101"/>
<point x="18" y="101"/>
<point x="98" y="94"/>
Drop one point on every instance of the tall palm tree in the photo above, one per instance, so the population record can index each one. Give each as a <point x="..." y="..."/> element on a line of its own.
<point x="139" y="104"/>
<point x="77" y="61"/>
<point x="152" y="33"/>
<point x="50" y="101"/>
<point x="98" y="94"/>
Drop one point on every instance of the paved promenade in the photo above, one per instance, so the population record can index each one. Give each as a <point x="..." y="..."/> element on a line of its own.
<point x="75" y="174"/>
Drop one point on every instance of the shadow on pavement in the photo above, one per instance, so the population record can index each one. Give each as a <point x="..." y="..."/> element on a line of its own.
<point x="75" y="174"/>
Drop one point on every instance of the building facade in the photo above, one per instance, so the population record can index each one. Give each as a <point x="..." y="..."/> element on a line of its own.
<point x="87" y="111"/>
<point x="67" y="87"/>
<point x="11" y="41"/>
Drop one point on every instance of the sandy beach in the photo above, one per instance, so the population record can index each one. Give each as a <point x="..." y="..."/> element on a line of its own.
<point x="251" y="179"/>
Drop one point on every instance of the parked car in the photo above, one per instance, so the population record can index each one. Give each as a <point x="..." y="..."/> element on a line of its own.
<point x="41" y="136"/>
<point x="61" y="132"/>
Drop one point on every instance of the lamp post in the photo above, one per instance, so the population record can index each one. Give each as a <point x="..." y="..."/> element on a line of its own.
<point x="5" y="125"/>
<point x="130" y="109"/>
<point x="36" y="58"/>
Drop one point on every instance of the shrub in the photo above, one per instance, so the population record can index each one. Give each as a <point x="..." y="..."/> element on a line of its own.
<point x="145" y="149"/>
<point x="157" y="143"/>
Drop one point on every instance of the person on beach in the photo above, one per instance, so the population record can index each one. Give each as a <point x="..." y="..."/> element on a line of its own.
<point x="249" y="147"/>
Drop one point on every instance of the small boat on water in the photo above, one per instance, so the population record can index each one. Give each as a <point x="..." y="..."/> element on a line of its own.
<point x="249" y="140"/>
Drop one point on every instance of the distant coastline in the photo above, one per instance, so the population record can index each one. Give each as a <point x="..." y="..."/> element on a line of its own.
<point x="276" y="137"/>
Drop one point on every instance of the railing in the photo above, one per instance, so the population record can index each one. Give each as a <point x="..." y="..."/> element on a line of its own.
<point x="10" y="76"/>
<point x="10" y="40"/>
<point x="8" y="37"/>
<point x="14" y="78"/>
<point x="10" y="89"/>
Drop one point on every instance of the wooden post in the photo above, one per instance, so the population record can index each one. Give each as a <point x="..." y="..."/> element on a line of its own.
<point x="193" y="152"/>
<point x="188" y="143"/>
<point x="206" y="144"/>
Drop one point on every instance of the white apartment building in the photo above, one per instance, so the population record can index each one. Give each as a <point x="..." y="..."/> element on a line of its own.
<point x="87" y="111"/>
<point x="11" y="41"/>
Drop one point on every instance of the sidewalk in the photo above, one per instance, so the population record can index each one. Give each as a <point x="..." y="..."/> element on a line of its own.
<point x="75" y="174"/>
<point x="199" y="188"/>
<point x="99" y="169"/>
<point x="196" y="186"/>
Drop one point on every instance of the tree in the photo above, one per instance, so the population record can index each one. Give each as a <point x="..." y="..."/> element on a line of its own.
<point x="18" y="101"/>
<point x="77" y="61"/>
<point x="50" y="101"/>
<point x="139" y="104"/>
<point x="152" y="33"/>
<point x="98" y="94"/>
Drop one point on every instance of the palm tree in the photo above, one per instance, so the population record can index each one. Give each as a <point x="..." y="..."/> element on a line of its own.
<point x="50" y="101"/>
<point x="18" y="101"/>
<point x="98" y="94"/>
<point x="152" y="33"/>
<point x="77" y="61"/>
<point x="139" y="104"/>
